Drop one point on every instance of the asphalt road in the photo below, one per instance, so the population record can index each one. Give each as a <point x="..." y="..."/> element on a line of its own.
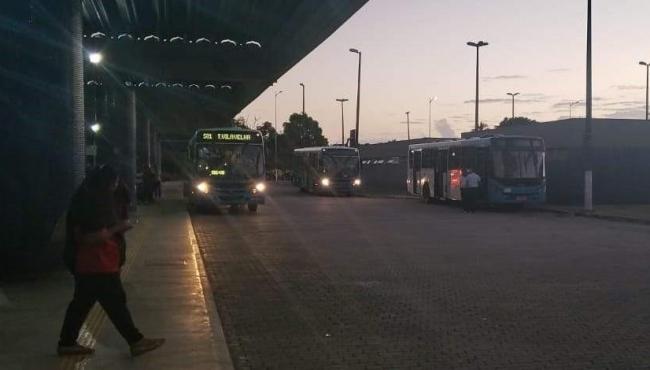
<point x="314" y="282"/>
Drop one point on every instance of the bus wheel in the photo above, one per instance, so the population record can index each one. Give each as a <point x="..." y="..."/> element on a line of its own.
<point x="252" y="207"/>
<point x="426" y="194"/>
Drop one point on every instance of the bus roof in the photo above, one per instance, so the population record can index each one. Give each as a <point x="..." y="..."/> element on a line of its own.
<point x="473" y="141"/>
<point x="325" y="148"/>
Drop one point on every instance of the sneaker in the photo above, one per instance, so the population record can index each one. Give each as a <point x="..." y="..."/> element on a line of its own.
<point x="145" y="345"/>
<point x="74" y="350"/>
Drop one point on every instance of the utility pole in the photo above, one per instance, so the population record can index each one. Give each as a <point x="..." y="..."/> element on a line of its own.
<point x="356" y="51"/>
<point x="408" y="126"/>
<point x="275" y="138"/>
<point x="647" y="81"/>
<point x="303" y="98"/>
<point x="571" y="104"/>
<point x="342" y="121"/>
<point x="430" y="101"/>
<point x="513" y="103"/>
<point x="477" y="45"/>
<point x="588" y="135"/>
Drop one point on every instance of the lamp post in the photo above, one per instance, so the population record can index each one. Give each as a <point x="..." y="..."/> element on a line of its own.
<point x="342" y="100"/>
<point x="275" y="138"/>
<point x="303" y="98"/>
<point x="408" y="126"/>
<point x="431" y="100"/>
<point x="647" y="81"/>
<point x="356" y="51"/>
<point x="477" y="45"/>
<point x="587" y="139"/>
<point x="571" y="104"/>
<point x="513" y="103"/>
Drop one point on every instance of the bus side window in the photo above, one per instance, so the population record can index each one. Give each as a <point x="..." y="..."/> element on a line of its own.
<point x="428" y="156"/>
<point x="411" y="154"/>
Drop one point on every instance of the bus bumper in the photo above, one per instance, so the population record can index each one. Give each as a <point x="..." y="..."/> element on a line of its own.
<point x="499" y="194"/>
<point x="218" y="198"/>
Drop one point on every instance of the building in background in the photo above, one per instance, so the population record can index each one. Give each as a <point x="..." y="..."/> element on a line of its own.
<point x="383" y="165"/>
<point x="621" y="154"/>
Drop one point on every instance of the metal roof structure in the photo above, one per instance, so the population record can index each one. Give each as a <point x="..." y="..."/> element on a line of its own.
<point x="219" y="53"/>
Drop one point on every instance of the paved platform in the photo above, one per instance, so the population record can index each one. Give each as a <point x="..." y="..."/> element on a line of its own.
<point x="319" y="282"/>
<point x="165" y="283"/>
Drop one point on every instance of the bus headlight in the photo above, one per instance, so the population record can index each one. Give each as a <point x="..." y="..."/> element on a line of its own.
<point x="260" y="186"/>
<point x="357" y="182"/>
<point x="203" y="187"/>
<point x="325" y="181"/>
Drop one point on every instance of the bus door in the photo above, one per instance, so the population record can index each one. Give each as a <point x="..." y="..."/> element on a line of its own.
<point x="417" y="170"/>
<point x="440" y="167"/>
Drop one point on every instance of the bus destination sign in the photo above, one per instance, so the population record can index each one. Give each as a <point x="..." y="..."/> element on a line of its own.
<point x="229" y="137"/>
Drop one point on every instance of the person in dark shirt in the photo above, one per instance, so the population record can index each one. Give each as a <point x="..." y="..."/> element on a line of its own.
<point x="94" y="255"/>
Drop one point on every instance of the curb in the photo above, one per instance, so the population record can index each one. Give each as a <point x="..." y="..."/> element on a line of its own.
<point x="584" y="214"/>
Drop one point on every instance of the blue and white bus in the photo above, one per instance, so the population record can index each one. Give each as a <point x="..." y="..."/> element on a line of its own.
<point x="226" y="168"/>
<point x="512" y="169"/>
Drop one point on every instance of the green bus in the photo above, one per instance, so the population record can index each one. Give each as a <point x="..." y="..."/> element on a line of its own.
<point x="226" y="168"/>
<point x="329" y="169"/>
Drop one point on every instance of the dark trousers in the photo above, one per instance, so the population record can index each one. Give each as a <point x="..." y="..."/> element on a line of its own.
<point x="108" y="291"/>
<point x="469" y="197"/>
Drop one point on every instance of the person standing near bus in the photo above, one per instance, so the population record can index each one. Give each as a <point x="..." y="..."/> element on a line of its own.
<point x="469" y="188"/>
<point x="93" y="256"/>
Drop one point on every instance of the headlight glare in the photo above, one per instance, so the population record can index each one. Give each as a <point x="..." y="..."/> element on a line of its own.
<point x="325" y="181"/>
<point x="357" y="182"/>
<point x="260" y="186"/>
<point x="203" y="187"/>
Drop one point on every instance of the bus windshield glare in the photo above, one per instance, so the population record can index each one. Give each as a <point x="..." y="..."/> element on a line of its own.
<point x="340" y="162"/>
<point x="518" y="159"/>
<point x="230" y="160"/>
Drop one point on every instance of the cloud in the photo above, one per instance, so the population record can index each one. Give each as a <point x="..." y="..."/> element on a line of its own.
<point x="629" y="113"/>
<point x="444" y="128"/>
<point x="625" y="103"/>
<point x="505" y="77"/>
<point x="629" y="87"/>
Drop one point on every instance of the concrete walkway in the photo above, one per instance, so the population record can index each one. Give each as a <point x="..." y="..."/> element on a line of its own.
<point x="166" y="287"/>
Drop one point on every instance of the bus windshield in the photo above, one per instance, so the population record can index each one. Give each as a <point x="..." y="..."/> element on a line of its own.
<point x="518" y="164"/>
<point x="230" y="160"/>
<point x="341" y="163"/>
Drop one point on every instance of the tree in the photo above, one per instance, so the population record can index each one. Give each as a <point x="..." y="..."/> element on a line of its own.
<point x="239" y="122"/>
<point x="301" y="131"/>
<point x="482" y="126"/>
<point x="516" y="121"/>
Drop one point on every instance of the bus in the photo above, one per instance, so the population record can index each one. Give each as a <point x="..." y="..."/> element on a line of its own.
<point x="226" y="168"/>
<point x="512" y="169"/>
<point x="329" y="169"/>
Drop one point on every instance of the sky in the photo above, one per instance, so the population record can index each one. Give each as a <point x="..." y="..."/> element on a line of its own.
<point x="416" y="49"/>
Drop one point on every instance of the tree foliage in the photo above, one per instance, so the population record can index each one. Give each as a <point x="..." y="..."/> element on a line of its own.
<point x="300" y="131"/>
<point x="516" y="121"/>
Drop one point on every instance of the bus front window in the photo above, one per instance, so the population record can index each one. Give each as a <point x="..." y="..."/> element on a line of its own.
<point x="514" y="163"/>
<point x="230" y="160"/>
<point x="341" y="165"/>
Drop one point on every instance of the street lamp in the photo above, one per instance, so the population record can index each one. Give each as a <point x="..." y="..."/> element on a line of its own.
<point x="342" y="121"/>
<point x="513" y="103"/>
<point x="303" y="97"/>
<point x="275" y="138"/>
<point x="358" y="94"/>
<point x="95" y="57"/>
<point x="408" y="126"/>
<point x="571" y="104"/>
<point x="587" y="139"/>
<point x="96" y="127"/>
<point x="477" y="45"/>
<point x="430" y="101"/>
<point x="647" y="80"/>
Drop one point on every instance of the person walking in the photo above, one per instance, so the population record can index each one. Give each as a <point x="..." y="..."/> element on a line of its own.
<point x="469" y="187"/>
<point x="93" y="255"/>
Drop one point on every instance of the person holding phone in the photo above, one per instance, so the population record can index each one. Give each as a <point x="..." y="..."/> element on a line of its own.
<point x="94" y="255"/>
